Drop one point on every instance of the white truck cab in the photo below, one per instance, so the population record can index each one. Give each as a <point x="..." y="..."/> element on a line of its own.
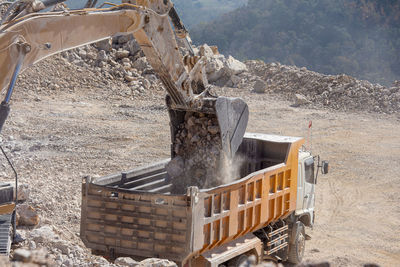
<point x="304" y="214"/>
<point x="306" y="181"/>
<point x="308" y="168"/>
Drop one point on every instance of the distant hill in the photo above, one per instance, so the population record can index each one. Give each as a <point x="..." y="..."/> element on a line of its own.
<point x="360" y="38"/>
<point x="192" y="12"/>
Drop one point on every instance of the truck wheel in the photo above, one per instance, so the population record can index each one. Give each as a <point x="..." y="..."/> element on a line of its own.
<point x="238" y="261"/>
<point x="296" y="248"/>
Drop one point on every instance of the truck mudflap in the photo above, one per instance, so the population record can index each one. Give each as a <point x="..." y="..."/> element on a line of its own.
<point x="248" y="244"/>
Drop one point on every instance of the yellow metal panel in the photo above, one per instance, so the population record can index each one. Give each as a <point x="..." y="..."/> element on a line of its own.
<point x="7" y="208"/>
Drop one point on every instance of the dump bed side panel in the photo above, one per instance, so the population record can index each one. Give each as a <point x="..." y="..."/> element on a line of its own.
<point x="249" y="204"/>
<point x="127" y="223"/>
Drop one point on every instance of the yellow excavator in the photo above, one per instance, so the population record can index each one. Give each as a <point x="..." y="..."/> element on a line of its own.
<point x="31" y="30"/>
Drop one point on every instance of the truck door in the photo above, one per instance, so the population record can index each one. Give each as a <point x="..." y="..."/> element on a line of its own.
<point x="300" y="188"/>
<point x="309" y="185"/>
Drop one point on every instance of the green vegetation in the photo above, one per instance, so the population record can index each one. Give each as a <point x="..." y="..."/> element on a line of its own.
<point x="356" y="37"/>
<point x="192" y="12"/>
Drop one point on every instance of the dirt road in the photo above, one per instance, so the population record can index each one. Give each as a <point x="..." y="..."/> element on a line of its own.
<point x="59" y="137"/>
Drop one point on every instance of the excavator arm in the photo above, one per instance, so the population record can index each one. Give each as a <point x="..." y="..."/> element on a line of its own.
<point x="29" y="36"/>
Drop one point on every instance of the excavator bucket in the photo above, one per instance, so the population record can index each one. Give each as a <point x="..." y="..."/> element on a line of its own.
<point x="232" y="115"/>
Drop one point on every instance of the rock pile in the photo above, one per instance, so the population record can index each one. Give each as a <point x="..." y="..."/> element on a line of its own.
<point x="121" y="66"/>
<point x="45" y="246"/>
<point x="220" y="70"/>
<point x="120" y="59"/>
<point x="198" y="155"/>
<point x="340" y="92"/>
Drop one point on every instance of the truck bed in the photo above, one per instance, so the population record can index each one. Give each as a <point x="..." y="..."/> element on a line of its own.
<point x="133" y="213"/>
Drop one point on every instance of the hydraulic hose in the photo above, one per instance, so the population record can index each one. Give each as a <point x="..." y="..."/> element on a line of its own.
<point x="4" y="106"/>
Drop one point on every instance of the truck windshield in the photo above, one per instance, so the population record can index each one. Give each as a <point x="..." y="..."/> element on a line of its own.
<point x="309" y="170"/>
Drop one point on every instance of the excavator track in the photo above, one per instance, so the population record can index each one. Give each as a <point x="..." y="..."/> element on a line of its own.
<point x="6" y="212"/>
<point x="5" y="233"/>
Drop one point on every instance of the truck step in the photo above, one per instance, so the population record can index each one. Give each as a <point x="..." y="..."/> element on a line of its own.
<point x="280" y="230"/>
<point x="275" y="237"/>
<point x="277" y="240"/>
<point x="275" y="249"/>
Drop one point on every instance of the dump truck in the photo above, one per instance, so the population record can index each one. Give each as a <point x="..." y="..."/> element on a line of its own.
<point x="262" y="214"/>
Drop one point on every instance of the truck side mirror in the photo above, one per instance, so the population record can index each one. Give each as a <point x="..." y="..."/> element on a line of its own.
<point x="325" y="167"/>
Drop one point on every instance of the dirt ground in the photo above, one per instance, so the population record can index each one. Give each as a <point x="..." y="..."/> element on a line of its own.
<point x="57" y="138"/>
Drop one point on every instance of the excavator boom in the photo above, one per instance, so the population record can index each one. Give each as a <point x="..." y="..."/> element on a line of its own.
<point x="28" y="36"/>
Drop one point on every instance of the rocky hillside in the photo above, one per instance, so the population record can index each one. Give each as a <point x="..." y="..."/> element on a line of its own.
<point x="124" y="62"/>
<point x="359" y="38"/>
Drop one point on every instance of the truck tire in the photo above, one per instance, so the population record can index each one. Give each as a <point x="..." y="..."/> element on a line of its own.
<point x="297" y="246"/>
<point x="238" y="261"/>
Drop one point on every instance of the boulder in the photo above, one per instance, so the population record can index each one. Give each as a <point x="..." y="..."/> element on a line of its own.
<point x="300" y="99"/>
<point x="126" y="261"/>
<point x="132" y="46"/>
<point x="206" y="51"/>
<point x="27" y="215"/>
<point x="62" y="245"/>
<point x="120" y="54"/>
<point x="259" y="87"/>
<point x="154" y="262"/>
<point x="234" y="66"/>
<point x="213" y="129"/>
<point x="82" y="53"/>
<point x="105" y="45"/>
<point x="91" y="55"/>
<point x="214" y="48"/>
<point x="122" y="39"/>
<point x="236" y="80"/>
<point x="43" y="234"/>
<point x="32" y="245"/>
<point x="141" y="63"/>
<point x="102" y="56"/>
<point x="42" y="257"/>
<point x="23" y="255"/>
<point x="215" y="68"/>
<point x="129" y="78"/>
